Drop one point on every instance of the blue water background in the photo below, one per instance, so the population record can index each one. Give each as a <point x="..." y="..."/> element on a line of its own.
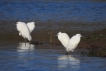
<point x="55" y="14"/>
<point x="56" y="11"/>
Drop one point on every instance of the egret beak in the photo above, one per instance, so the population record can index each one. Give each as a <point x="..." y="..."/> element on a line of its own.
<point x="83" y="37"/>
<point x="56" y="35"/>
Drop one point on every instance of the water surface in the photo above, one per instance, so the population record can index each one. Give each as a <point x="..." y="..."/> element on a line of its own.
<point x="21" y="57"/>
<point x="58" y="15"/>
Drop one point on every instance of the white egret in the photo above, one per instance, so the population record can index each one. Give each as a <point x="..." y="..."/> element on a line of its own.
<point x="69" y="44"/>
<point x="25" y="29"/>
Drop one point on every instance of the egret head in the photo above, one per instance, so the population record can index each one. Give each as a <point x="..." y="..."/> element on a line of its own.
<point x="58" y="34"/>
<point x="17" y="23"/>
<point x="78" y="35"/>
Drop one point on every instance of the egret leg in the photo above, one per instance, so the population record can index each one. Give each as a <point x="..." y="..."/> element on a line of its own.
<point x="73" y="53"/>
<point x="66" y="53"/>
<point x="29" y="47"/>
<point x="25" y="42"/>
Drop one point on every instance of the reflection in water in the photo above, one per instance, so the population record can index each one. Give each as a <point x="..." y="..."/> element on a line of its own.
<point x="25" y="55"/>
<point x="69" y="61"/>
<point x="25" y="47"/>
<point x="42" y="60"/>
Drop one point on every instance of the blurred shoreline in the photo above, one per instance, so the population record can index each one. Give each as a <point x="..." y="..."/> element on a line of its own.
<point x="9" y="26"/>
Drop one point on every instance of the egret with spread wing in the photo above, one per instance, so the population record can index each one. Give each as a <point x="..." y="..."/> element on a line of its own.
<point x="69" y="44"/>
<point x="25" y="29"/>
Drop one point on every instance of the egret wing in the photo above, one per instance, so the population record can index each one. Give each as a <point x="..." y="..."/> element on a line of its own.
<point x="75" y="40"/>
<point x="64" y="39"/>
<point x="23" y="30"/>
<point x="31" y="26"/>
<point x="73" y="43"/>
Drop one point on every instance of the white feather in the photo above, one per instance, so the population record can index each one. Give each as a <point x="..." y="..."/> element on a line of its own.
<point x="73" y="43"/>
<point x="23" y="30"/>
<point x="31" y="26"/>
<point x="64" y="39"/>
<point x="69" y="44"/>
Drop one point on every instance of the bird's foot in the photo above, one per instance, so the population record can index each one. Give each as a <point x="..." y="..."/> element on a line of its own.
<point x="66" y="53"/>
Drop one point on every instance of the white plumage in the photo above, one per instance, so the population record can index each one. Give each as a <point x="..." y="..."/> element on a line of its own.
<point x="73" y="43"/>
<point x="31" y="26"/>
<point x="64" y="38"/>
<point x="69" y="44"/>
<point x="25" y="29"/>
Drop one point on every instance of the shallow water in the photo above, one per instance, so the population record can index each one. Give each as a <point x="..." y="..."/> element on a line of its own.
<point x="21" y="57"/>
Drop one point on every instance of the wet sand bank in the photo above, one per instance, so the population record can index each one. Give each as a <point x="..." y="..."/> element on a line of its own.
<point x="89" y="38"/>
